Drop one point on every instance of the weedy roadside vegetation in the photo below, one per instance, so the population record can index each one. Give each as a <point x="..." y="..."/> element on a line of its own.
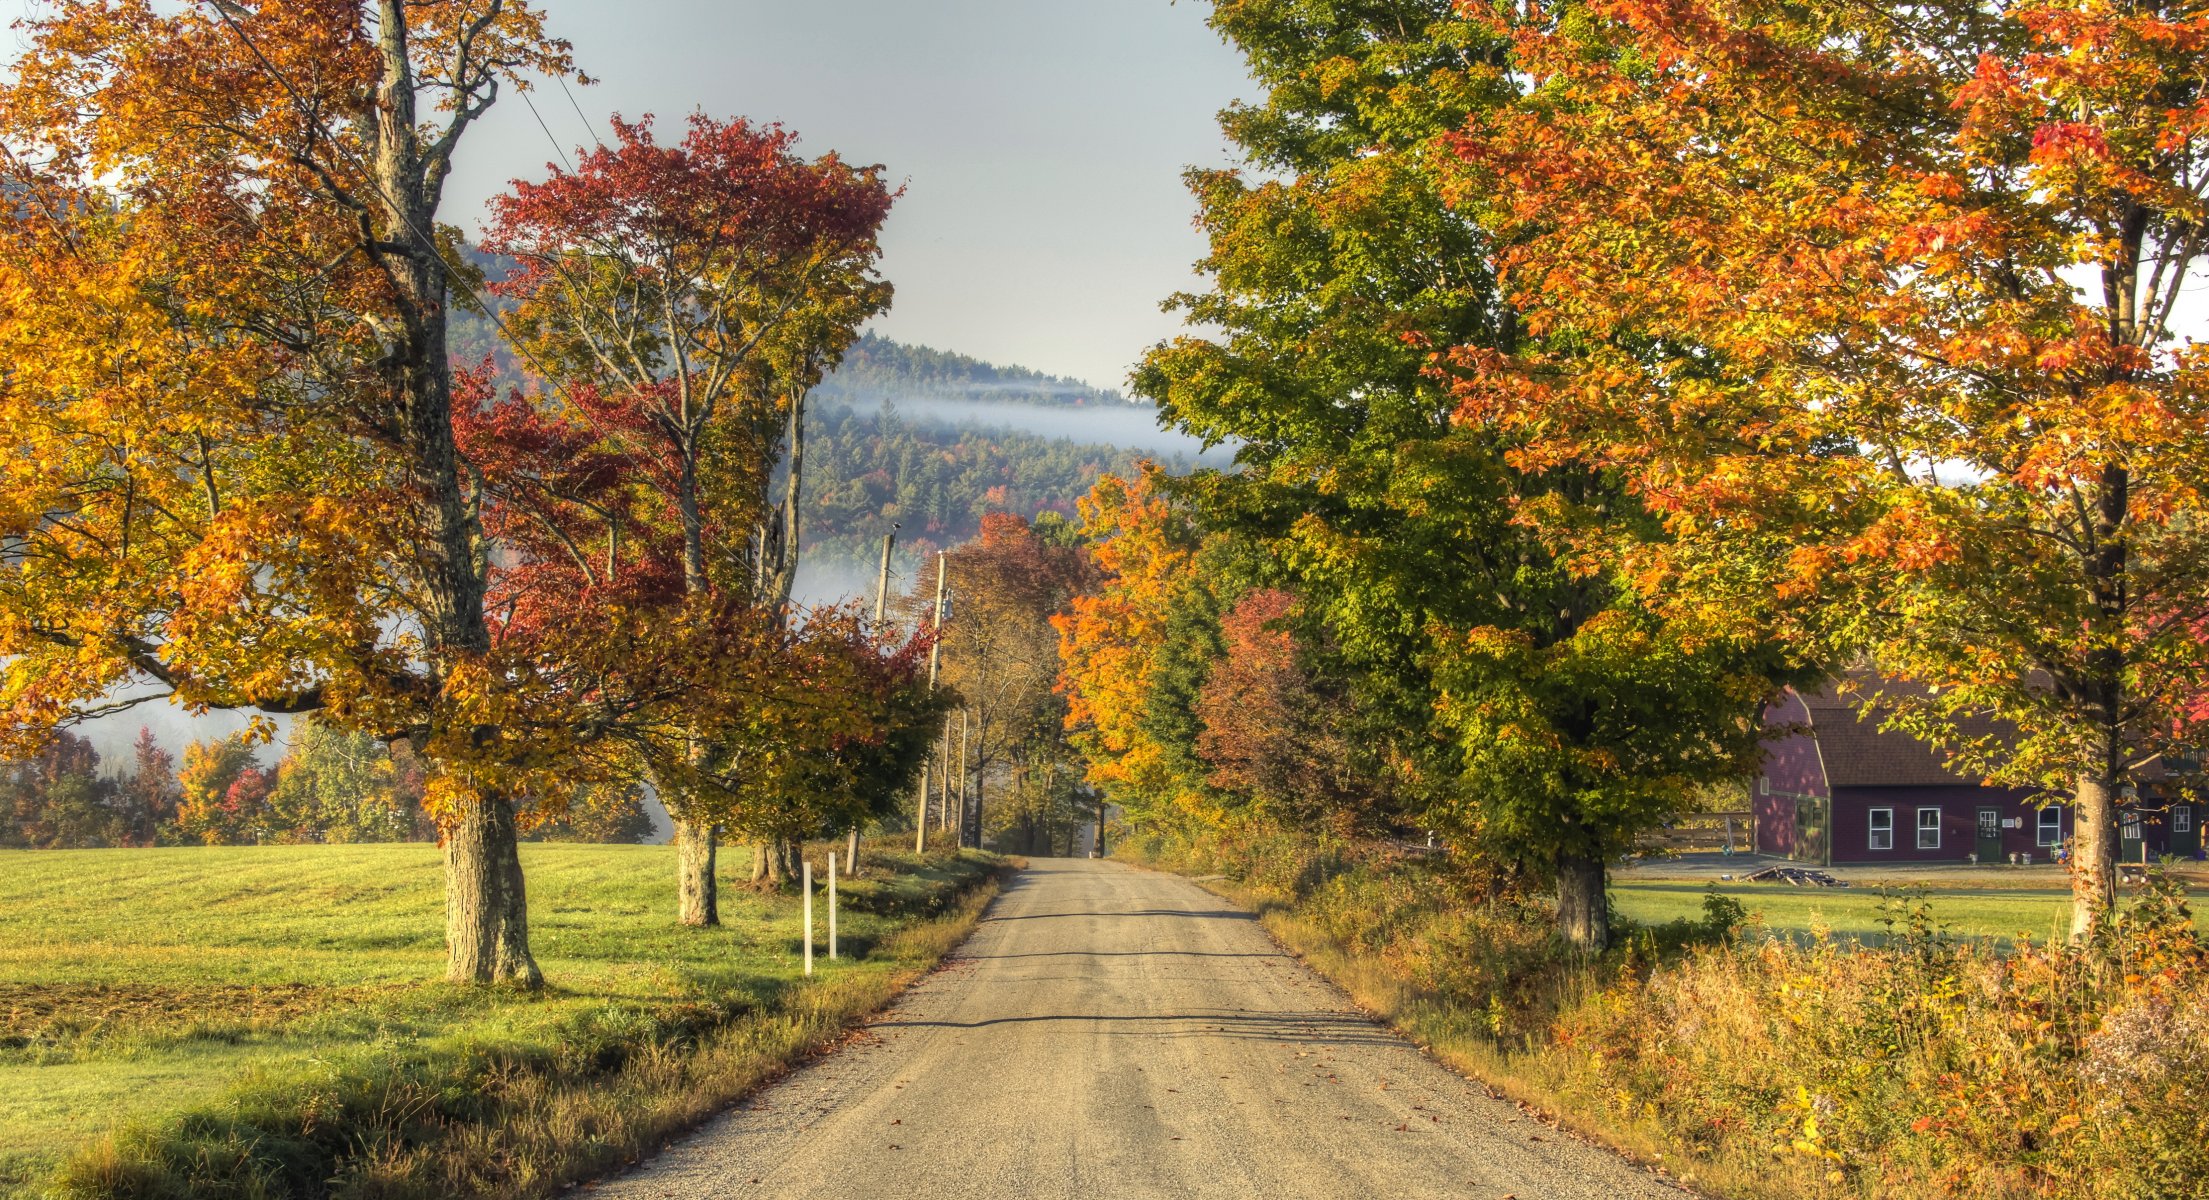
<point x="362" y="1085"/>
<point x="1754" y="1062"/>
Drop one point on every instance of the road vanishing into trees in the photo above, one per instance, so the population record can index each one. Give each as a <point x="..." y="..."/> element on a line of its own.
<point x="1115" y="1032"/>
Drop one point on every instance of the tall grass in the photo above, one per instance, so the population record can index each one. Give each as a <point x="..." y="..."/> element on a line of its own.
<point x="1756" y="1064"/>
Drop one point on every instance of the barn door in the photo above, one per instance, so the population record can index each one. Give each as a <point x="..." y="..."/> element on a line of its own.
<point x="1990" y="835"/>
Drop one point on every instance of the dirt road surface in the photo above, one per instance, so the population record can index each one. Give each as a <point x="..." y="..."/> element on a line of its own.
<point x="1112" y="1032"/>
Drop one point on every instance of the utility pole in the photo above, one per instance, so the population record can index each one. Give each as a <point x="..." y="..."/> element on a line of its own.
<point x="962" y="784"/>
<point x="882" y="581"/>
<point x="943" y="779"/>
<point x="881" y="611"/>
<point x="920" y="824"/>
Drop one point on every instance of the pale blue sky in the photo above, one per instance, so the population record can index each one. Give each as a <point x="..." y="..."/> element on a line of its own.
<point x="1042" y="143"/>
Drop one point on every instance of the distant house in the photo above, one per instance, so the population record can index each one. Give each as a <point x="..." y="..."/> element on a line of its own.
<point x="1836" y="788"/>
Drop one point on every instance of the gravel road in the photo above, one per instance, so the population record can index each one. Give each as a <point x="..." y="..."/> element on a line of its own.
<point x="1112" y="1032"/>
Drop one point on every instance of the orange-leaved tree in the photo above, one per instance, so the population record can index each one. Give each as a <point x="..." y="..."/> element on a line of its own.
<point x="1879" y="305"/>
<point x="233" y="472"/>
<point x="1145" y="550"/>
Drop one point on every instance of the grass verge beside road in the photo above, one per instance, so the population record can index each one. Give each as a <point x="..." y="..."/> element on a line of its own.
<point x="268" y="1021"/>
<point x="1752" y="1060"/>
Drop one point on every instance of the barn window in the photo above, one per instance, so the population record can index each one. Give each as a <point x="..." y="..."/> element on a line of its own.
<point x="1929" y="829"/>
<point x="1883" y="829"/>
<point x="2182" y="819"/>
<point x="2051" y="826"/>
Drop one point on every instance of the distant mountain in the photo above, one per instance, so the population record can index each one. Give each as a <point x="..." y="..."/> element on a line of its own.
<point x="878" y="369"/>
<point x="867" y="470"/>
<point x="930" y="441"/>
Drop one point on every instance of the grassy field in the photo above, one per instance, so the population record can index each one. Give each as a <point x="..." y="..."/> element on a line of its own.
<point x="139" y="988"/>
<point x="1997" y="910"/>
<point x="2000" y="913"/>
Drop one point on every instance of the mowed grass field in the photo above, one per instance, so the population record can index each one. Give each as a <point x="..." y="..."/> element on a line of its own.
<point x="138" y="985"/>
<point x="1959" y="907"/>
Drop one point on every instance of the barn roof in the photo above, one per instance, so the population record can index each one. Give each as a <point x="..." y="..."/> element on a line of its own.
<point x="1858" y="753"/>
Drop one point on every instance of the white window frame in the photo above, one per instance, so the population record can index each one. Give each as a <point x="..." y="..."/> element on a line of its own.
<point x="2131" y="828"/>
<point x="1934" y="829"/>
<point x="2182" y="818"/>
<point x="2048" y="830"/>
<point x="1877" y="831"/>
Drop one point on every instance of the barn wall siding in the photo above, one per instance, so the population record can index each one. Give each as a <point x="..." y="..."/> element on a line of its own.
<point x="1959" y="807"/>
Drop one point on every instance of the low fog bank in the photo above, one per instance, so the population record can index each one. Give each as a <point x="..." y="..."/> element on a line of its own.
<point x="1134" y="426"/>
<point x="824" y="582"/>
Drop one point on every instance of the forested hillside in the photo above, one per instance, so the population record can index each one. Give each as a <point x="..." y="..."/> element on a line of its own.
<point x="877" y="369"/>
<point x="937" y="478"/>
<point x="931" y="441"/>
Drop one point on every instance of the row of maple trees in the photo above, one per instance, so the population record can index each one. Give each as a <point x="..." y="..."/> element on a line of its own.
<point x="246" y="472"/>
<point x="1601" y="365"/>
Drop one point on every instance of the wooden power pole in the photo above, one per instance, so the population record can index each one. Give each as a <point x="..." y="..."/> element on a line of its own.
<point x="920" y="824"/>
<point x="962" y="784"/>
<point x="882" y="581"/>
<point x="881" y="611"/>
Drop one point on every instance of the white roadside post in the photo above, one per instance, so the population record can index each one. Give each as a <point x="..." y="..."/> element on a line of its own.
<point x="832" y="904"/>
<point x="805" y="884"/>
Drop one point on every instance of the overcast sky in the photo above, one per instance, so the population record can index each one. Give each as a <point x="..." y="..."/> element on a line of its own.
<point x="1041" y="142"/>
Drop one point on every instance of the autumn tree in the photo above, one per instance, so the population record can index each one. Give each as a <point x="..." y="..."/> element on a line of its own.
<point x="340" y="785"/>
<point x="224" y="792"/>
<point x="1112" y="669"/>
<point x="234" y="471"/>
<point x="56" y="799"/>
<point x="601" y="813"/>
<point x="1276" y="728"/>
<point x="1000" y="654"/>
<point x="1878" y="305"/>
<point x="682" y="300"/>
<point x="148" y="796"/>
<point x="1457" y="585"/>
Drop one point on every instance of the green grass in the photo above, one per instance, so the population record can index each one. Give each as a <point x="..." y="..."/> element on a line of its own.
<point x="141" y="987"/>
<point x="2001" y="913"/>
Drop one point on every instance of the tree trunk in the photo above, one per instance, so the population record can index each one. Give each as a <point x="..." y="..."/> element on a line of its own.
<point x="771" y="863"/>
<point x="486" y="906"/>
<point x="487" y="920"/>
<point x="775" y="861"/>
<point x="851" y="852"/>
<point x="697" y="890"/>
<point x="1582" y="919"/>
<point x="2093" y="853"/>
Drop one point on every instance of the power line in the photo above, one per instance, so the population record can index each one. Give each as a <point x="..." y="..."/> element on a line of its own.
<point x="587" y="126"/>
<point x="557" y="148"/>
